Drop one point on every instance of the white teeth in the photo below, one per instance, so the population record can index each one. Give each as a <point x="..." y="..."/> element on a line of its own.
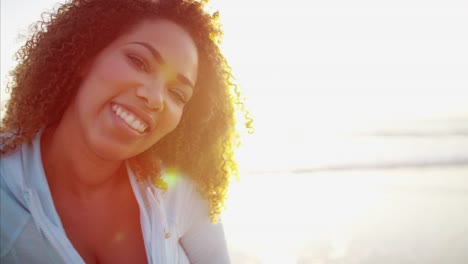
<point x="129" y="118"/>
<point x="136" y="125"/>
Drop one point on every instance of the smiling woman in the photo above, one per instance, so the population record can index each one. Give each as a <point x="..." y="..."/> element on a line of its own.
<point x="142" y="89"/>
<point x="140" y="100"/>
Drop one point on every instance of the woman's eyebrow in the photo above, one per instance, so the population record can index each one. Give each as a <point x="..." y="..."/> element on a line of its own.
<point x="185" y="80"/>
<point x="157" y="56"/>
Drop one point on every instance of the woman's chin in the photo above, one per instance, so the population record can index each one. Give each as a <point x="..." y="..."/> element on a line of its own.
<point x="112" y="152"/>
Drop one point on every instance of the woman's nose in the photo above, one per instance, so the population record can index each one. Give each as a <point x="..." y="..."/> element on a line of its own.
<point x="152" y="95"/>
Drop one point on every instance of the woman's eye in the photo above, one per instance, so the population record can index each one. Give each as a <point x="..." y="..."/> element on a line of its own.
<point x="138" y="62"/>
<point x="179" y="96"/>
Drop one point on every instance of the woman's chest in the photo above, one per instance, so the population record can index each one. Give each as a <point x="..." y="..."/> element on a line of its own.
<point x="105" y="233"/>
<point x="117" y="240"/>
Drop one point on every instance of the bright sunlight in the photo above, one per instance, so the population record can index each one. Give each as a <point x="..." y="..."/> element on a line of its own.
<point x="360" y="150"/>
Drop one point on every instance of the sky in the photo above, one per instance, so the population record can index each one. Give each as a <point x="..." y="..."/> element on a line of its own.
<point x="315" y="68"/>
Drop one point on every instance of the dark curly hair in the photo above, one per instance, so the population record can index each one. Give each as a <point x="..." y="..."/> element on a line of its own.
<point x="63" y="42"/>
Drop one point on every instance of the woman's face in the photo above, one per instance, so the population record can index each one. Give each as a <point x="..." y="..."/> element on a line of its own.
<point x="133" y="93"/>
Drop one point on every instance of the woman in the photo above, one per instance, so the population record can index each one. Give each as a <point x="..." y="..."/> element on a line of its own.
<point x="118" y="139"/>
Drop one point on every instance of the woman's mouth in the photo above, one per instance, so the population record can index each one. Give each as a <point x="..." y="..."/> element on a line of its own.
<point x="130" y="119"/>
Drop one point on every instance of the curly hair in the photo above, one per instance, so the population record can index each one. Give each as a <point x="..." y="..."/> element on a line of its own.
<point x="48" y="75"/>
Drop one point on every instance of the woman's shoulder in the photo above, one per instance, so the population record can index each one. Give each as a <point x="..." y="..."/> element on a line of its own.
<point x="182" y="191"/>
<point x="17" y="158"/>
<point x="11" y="160"/>
<point x="12" y="143"/>
<point x="202" y="240"/>
<point x="12" y="200"/>
<point x="184" y="204"/>
<point x="6" y="139"/>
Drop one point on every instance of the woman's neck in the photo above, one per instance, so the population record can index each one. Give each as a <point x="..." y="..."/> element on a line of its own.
<point x="71" y="167"/>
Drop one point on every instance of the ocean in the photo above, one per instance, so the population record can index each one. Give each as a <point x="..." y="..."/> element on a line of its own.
<point x="383" y="196"/>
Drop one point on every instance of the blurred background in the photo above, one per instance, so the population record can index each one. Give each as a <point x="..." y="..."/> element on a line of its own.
<point x="360" y="150"/>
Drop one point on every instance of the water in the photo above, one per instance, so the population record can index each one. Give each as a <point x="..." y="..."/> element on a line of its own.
<point x="417" y="215"/>
<point x="397" y="195"/>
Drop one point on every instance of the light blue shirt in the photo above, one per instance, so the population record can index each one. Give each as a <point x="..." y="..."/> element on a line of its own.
<point x="175" y="224"/>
